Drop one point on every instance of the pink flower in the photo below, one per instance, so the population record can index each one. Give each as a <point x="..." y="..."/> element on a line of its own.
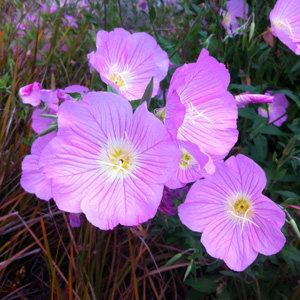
<point x="285" y="23"/>
<point x="199" y="108"/>
<point x="32" y="179"/>
<point x="235" y="8"/>
<point x="31" y="94"/>
<point x="40" y="123"/>
<point x="166" y="205"/>
<point x="127" y="62"/>
<point x="246" y="98"/>
<point x="191" y="166"/>
<point x="107" y="162"/>
<point x="75" y="220"/>
<point x="70" y="21"/>
<point x="52" y="100"/>
<point x="237" y="221"/>
<point x="277" y="109"/>
<point x="62" y="95"/>
<point x="45" y="8"/>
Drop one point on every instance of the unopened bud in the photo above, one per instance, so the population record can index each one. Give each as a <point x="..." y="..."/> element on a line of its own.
<point x="252" y="28"/>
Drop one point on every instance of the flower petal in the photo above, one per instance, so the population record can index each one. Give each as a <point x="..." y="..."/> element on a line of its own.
<point x="223" y="240"/>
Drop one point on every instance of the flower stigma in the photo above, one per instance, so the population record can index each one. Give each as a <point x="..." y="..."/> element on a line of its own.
<point x="187" y="160"/>
<point x="120" y="78"/>
<point x="118" y="159"/>
<point x="241" y="210"/>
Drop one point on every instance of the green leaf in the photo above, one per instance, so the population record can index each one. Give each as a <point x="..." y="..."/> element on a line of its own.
<point x="152" y="14"/>
<point x="48" y="130"/>
<point x="25" y="141"/>
<point x="135" y="104"/>
<point x="290" y="255"/>
<point x="196" y="8"/>
<point x="48" y="116"/>
<point x="286" y="194"/>
<point x="289" y="146"/>
<point x="248" y="113"/>
<point x="111" y="89"/>
<point x="148" y="93"/>
<point x="203" y="284"/>
<point x="260" y="150"/>
<point x="76" y="96"/>
<point x="271" y="129"/>
<point x="188" y="270"/>
<point x="4" y="81"/>
<point x="173" y="259"/>
<point x="243" y="87"/>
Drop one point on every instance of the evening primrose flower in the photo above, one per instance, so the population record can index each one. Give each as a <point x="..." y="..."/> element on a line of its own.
<point x="191" y="166"/>
<point x="276" y="110"/>
<point x="246" y="98"/>
<point x="31" y="94"/>
<point x="235" y="8"/>
<point x="32" y="179"/>
<point x="237" y="222"/>
<point x="107" y="162"/>
<point x="199" y="108"/>
<point x="285" y="23"/>
<point x="127" y="61"/>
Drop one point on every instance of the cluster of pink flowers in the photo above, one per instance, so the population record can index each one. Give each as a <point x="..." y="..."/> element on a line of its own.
<point x="119" y="166"/>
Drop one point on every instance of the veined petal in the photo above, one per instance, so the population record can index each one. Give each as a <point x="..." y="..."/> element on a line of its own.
<point x="157" y="156"/>
<point x="223" y="240"/>
<point x="266" y="237"/>
<point x="32" y="179"/>
<point x="285" y="23"/>
<point x="129" y="61"/>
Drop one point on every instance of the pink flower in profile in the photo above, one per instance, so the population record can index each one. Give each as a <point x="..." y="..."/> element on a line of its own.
<point x="32" y="179"/>
<point x="285" y="23"/>
<point x="277" y="110"/>
<point x="235" y="8"/>
<point x="237" y="221"/>
<point x="246" y="98"/>
<point x="31" y="94"/>
<point x="127" y="62"/>
<point x="191" y="166"/>
<point x="52" y="100"/>
<point x="107" y="162"/>
<point x="199" y="108"/>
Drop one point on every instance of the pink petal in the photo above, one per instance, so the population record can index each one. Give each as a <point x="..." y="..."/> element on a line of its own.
<point x="154" y="155"/>
<point x="40" y="123"/>
<point x="223" y="240"/>
<point x="31" y="94"/>
<point x="285" y="23"/>
<point x="32" y="179"/>
<point x="267" y="238"/>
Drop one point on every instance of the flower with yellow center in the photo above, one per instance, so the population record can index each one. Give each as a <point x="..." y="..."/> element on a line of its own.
<point x="237" y="222"/>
